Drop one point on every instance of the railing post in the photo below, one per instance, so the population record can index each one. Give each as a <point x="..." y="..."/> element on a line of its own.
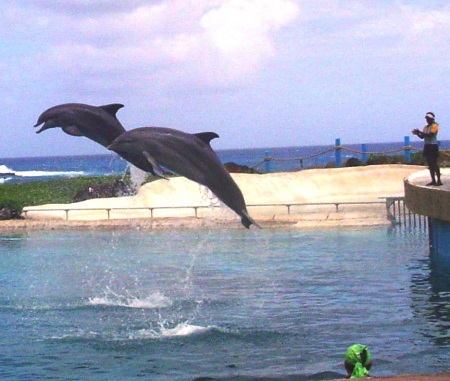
<point x="268" y="161"/>
<point x="365" y="155"/>
<point x="407" y="149"/>
<point x="338" y="153"/>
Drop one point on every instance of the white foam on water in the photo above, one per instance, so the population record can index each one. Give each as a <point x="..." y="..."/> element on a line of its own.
<point x="48" y="173"/>
<point x="183" y="329"/>
<point x="111" y="299"/>
<point x="5" y="169"/>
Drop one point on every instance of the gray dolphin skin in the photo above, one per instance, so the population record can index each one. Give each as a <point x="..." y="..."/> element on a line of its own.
<point x="188" y="155"/>
<point x="98" y="123"/>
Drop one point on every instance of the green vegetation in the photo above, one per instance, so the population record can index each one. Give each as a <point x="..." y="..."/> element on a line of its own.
<point x="14" y="197"/>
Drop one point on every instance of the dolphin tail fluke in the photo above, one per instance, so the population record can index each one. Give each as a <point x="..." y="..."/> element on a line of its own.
<point x="247" y="220"/>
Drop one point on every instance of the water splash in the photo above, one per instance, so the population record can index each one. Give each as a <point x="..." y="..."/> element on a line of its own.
<point x="137" y="177"/>
<point x="208" y="196"/>
<point x="182" y="329"/>
<point x="113" y="299"/>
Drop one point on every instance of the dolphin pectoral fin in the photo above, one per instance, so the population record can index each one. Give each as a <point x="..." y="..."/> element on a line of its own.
<point x="206" y="136"/>
<point x="247" y="220"/>
<point x="72" y="130"/>
<point x="156" y="167"/>
<point x="112" y="108"/>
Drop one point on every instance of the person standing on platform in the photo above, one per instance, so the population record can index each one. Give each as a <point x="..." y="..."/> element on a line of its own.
<point x="431" y="147"/>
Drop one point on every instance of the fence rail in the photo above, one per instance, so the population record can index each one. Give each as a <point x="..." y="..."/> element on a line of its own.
<point x="396" y="210"/>
<point x="398" y="213"/>
<point x="364" y="152"/>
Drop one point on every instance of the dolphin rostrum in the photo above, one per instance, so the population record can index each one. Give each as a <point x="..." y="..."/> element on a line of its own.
<point x="189" y="155"/>
<point x="99" y="124"/>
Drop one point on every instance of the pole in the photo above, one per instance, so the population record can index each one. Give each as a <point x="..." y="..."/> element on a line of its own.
<point x="407" y="149"/>
<point x="268" y="161"/>
<point x="365" y="156"/>
<point x="338" y="153"/>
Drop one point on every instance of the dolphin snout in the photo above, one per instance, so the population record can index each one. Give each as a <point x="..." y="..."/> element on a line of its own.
<point x="46" y="126"/>
<point x="122" y="144"/>
<point x="114" y="145"/>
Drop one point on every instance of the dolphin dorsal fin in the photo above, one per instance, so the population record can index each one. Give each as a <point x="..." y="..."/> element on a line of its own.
<point x="206" y="136"/>
<point x="112" y="108"/>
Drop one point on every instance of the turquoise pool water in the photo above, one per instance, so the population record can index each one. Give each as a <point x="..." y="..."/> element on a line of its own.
<point x="220" y="304"/>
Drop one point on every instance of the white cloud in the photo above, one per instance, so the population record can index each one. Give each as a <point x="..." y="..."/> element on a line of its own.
<point x="239" y="33"/>
<point x="199" y="42"/>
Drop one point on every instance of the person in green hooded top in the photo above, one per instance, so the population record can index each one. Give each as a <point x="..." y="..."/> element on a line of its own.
<point x="357" y="361"/>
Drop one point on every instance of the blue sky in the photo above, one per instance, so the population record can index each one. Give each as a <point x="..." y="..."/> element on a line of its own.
<point x="258" y="72"/>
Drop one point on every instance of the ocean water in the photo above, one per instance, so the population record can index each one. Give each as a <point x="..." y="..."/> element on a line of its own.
<point x="220" y="304"/>
<point x="285" y="159"/>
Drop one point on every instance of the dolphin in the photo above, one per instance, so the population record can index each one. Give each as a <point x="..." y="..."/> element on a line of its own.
<point x="189" y="155"/>
<point x="98" y="123"/>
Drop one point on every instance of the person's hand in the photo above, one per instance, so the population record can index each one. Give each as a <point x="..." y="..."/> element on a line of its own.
<point x="415" y="131"/>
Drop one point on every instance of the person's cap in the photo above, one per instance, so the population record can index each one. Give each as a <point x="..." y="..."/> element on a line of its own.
<point x="429" y="115"/>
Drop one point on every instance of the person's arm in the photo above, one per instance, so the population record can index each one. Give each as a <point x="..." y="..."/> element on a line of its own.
<point x="418" y="133"/>
<point x="433" y="131"/>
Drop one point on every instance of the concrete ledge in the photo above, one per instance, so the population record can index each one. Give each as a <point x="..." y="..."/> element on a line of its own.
<point x="428" y="201"/>
<point x="311" y="198"/>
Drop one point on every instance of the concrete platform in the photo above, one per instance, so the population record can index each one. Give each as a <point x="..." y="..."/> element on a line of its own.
<point x="430" y="201"/>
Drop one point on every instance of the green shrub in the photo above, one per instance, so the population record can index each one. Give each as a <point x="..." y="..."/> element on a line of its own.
<point x="60" y="191"/>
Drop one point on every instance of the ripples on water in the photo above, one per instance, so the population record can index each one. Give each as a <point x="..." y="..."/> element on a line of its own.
<point x="221" y="304"/>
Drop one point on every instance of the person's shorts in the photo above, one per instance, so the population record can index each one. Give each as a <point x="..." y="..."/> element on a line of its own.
<point x="431" y="151"/>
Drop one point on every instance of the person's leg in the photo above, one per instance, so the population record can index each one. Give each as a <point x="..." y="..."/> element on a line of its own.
<point x="432" y="169"/>
<point x="428" y="158"/>
<point x="435" y="171"/>
<point x="438" y="170"/>
<point x="438" y="175"/>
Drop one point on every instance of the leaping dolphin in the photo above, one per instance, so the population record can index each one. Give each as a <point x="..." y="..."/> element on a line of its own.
<point x="189" y="155"/>
<point x="99" y="124"/>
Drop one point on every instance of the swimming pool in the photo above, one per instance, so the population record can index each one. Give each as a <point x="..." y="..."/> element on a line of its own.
<point x="218" y="304"/>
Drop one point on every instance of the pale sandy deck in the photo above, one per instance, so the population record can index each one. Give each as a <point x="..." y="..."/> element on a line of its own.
<point x="338" y="185"/>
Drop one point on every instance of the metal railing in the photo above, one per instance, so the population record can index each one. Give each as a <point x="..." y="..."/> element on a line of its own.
<point x="396" y="211"/>
<point x="108" y="210"/>
<point x="195" y="208"/>
<point x="407" y="149"/>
